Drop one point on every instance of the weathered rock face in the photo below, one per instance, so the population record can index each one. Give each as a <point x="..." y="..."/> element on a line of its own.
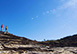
<point x="59" y="50"/>
<point x="65" y="50"/>
<point x="11" y="44"/>
<point x="13" y="39"/>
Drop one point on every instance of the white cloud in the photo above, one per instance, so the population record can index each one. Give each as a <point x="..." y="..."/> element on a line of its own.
<point x="69" y="4"/>
<point x="47" y="12"/>
<point x="32" y="18"/>
<point x="43" y="13"/>
<point x="36" y="16"/>
<point x="50" y="10"/>
<point x="54" y="10"/>
<point x="62" y="0"/>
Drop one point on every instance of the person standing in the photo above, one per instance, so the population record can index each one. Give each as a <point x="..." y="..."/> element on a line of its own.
<point x="2" y="27"/>
<point x="6" y="28"/>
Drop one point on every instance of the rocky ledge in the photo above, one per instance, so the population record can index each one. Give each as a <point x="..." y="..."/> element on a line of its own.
<point x="57" y="50"/>
<point x="12" y="44"/>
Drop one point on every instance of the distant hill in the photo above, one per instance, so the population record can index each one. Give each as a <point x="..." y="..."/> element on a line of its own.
<point x="69" y="41"/>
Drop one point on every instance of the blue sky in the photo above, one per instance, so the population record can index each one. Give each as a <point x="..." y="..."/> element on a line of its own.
<point x="39" y="19"/>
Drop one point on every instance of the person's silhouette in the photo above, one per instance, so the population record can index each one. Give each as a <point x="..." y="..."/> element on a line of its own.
<point x="2" y="27"/>
<point x="6" y="30"/>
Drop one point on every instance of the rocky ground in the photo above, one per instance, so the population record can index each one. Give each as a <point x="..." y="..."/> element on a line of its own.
<point x="12" y="44"/>
<point x="57" y="50"/>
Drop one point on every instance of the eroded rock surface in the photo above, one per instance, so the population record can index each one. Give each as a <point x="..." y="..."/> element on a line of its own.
<point x="58" y="50"/>
<point x="11" y="44"/>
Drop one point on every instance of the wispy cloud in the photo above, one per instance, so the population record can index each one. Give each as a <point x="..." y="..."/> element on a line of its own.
<point x="69" y="4"/>
<point x="37" y="16"/>
<point x="47" y="12"/>
<point x="54" y="11"/>
<point x="32" y="18"/>
<point x="62" y="0"/>
<point x="50" y="11"/>
<point x="43" y="13"/>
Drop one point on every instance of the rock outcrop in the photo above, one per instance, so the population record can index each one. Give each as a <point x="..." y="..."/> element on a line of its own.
<point x="12" y="44"/>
